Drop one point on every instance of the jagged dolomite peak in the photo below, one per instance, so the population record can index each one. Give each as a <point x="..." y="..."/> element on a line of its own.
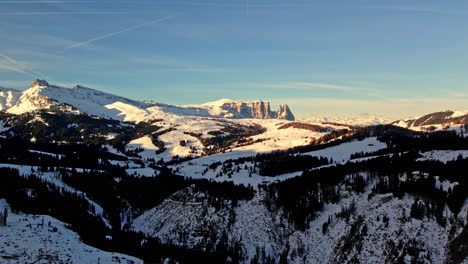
<point x="237" y="109"/>
<point x="284" y="113"/>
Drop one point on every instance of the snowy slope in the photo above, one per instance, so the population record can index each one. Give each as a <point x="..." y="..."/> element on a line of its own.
<point x="247" y="175"/>
<point x="43" y="239"/>
<point x="272" y="139"/>
<point x="379" y="237"/>
<point x="216" y="107"/>
<point x="182" y="128"/>
<point x="189" y="213"/>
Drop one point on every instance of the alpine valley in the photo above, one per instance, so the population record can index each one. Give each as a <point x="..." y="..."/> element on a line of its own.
<point x="91" y="177"/>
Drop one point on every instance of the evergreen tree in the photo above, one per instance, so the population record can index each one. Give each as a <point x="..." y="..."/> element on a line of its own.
<point x="5" y="216"/>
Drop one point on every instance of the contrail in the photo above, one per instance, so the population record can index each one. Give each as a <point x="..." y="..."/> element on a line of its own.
<point x="63" y="13"/>
<point x="25" y="69"/>
<point x="14" y="69"/>
<point x="76" y="45"/>
<point x="11" y="68"/>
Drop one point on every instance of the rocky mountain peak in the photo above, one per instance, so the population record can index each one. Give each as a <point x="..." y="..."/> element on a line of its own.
<point x="78" y="87"/>
<point x="38" y="82"/>
<point x="284" y="113"/>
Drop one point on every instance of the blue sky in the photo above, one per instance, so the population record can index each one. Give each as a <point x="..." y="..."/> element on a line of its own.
<point x="398" y="58"/>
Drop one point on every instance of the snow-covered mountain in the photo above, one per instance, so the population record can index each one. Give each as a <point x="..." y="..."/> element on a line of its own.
<point x="42" y="95"/>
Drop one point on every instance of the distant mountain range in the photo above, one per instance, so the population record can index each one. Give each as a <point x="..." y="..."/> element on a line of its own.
<point x="42" y="95"/>
<point x="357" y="120"/>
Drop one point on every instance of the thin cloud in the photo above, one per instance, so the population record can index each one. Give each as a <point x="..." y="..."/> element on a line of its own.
<point x="408" y="9"/>
<point x="108" y="35"/>
<point x="328" y="86"/>
<point x="308" y="86"/>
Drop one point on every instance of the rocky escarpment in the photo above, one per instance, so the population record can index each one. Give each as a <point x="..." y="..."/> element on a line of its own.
<point x="284" y="113"/>
<point x="258" y="109"/>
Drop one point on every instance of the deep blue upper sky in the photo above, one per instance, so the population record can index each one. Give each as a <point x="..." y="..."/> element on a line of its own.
<point x="393" y="57"/>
